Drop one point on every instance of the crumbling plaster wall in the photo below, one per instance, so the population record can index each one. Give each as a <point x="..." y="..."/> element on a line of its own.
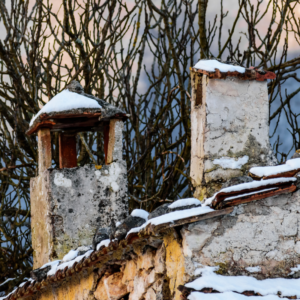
<point x="77" y="287"/>
<point x="83" y="199"/>
<point x="232" y="122"/>
<point x="73" y="204"/>
<point x="263" y="233"/>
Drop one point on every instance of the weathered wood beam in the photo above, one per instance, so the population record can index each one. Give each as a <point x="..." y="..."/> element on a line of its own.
<point x="245" y="199"/>
<point x="222" y="195"/>
<point x="44" y="149"/>
<point x="250" y="74"/>
<point x="111" y="141"/>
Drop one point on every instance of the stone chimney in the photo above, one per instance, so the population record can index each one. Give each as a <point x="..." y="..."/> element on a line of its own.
<point x="229" y="123"/>
<point x="68" y="203"/>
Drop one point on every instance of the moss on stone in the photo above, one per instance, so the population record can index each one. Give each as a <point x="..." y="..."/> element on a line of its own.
<point x="223" y="268"/>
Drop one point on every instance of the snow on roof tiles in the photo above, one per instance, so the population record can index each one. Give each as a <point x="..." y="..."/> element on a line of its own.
<point x="217" y="69"/>
<point x="255" y="190"/>
<point x="289" y="169"/>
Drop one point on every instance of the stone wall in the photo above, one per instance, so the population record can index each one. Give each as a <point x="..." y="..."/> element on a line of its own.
<point x="69" y="204"/>
<point x="263" y="233"/>
<point x="230" y="121"/>
<point x="137" y="274"/>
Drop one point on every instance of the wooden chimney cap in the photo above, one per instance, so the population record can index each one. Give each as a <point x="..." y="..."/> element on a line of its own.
<point x="72" y="109"/>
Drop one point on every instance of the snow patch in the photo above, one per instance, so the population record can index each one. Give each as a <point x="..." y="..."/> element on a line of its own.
<point x="185" y="202"/>
<point x="293" y="163"/>
<point x="231" y="163"/>
<point x="84" y="248"/>
<point x="60" y="180"/>
<point x="253" y="269"/>
<point x="64" y="101"/>
<point x="70" y="256"/>
<point x="271" y="286"/>
<point x="115" y="186"/>
<point x="294" y="270"/>
<point x="52" y="271"/>
<point x="103" y="243"/>
<point x="290" y="165"/>
<point x="140" y="213"/>
<point x="80" y="257"/>
<point x="211" y="65"/>
<point x="228" y="296"/>
<point x="51" y="263"/>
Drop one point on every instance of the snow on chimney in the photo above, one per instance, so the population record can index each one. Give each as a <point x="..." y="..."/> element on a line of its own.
<point x="70" y="202"/>
<point x="229" y="123"/>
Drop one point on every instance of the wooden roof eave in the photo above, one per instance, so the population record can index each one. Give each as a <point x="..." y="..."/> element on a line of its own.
<point x="219" y="201"/>
<point x="53" y="121"/>
<point x="250" y="74"/>
<point x="278" y="175"/>
<point x="260" y="195"/>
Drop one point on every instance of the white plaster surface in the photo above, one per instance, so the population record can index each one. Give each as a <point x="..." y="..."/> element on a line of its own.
<point x="263" y="233"/>
<point x="60" y="180"/>
<point x="85" y="198"/>
<point x="230" y="125"/>
<point x="235" y="109"/>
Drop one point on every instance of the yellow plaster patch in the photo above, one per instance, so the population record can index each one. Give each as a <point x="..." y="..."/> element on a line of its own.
<point x="78" y="287"/>
<point x="174" y="263"/>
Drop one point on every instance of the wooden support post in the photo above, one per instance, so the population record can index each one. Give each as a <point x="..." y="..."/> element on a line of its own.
<point x="111" y="141"/>
<point x="67" y="151"/>
<point x="44" y="149"/>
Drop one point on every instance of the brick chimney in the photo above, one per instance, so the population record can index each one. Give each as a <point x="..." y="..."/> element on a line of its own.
<point x="68" y="203"/>
<point x="229" y="123"/>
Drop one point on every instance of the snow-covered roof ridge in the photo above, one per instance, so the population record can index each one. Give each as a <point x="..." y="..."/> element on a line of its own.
<point x="231" y="163"/>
